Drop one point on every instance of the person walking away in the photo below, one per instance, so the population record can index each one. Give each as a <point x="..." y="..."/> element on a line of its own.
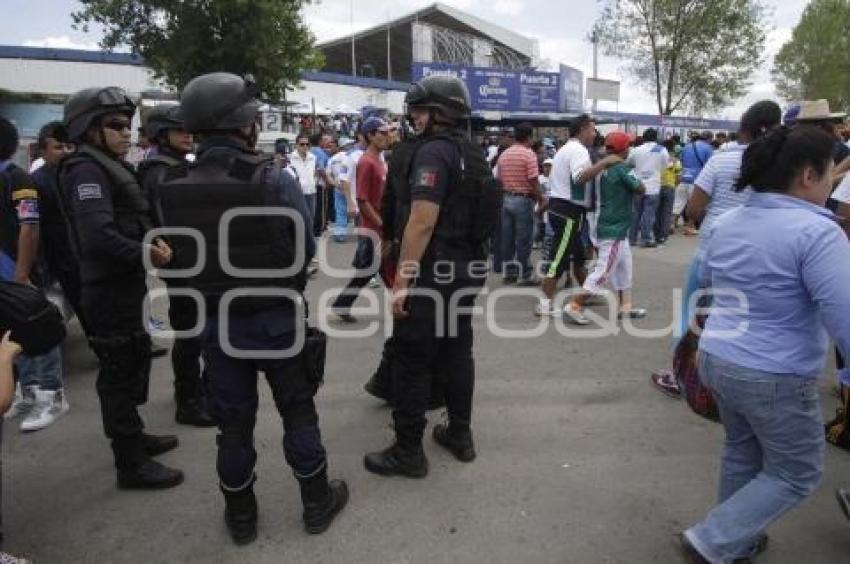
<point x="649" y="161"/>
<point x="782" y="252"/>
<point x="519" y="171"/>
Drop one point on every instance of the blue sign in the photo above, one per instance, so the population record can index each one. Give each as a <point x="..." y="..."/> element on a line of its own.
<point x="493" y="89"/>
<point x="572" y="90"/>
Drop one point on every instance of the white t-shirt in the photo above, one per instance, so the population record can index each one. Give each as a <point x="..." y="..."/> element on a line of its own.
<point x="306" y="169"/>
<point x="649" y="161"/>
<point x="842" y="192"/>
<point x="337" y="167"/>
<point x="569" y="163"/>
<point x="350" y="174"/>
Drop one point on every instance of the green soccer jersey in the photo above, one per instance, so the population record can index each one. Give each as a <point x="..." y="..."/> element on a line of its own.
<point x="617" y="191"/>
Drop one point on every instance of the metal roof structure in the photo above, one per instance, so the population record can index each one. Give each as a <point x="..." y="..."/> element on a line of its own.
<point x="387" y="50"/>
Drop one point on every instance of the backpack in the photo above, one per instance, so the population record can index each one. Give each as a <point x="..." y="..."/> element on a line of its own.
<point x="36" y="323"/>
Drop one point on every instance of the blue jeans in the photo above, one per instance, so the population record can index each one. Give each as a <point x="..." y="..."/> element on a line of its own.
<point x="44" y="371"/>
<point x="340" y="215"/>
<point x="517" y="232"/>
<point x="772" y="458"/>
<point x="643" y="217"/>
<point x="311" y="205"/>
<point x="664" y="214"/>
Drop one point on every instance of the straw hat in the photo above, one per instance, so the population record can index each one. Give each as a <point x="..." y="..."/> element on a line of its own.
<point x="817" y="110"/>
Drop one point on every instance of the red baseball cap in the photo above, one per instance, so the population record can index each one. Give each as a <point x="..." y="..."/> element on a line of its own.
<point x="617" y="141"/>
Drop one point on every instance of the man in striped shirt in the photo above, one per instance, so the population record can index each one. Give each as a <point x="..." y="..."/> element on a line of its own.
<point x="518" y="170"/>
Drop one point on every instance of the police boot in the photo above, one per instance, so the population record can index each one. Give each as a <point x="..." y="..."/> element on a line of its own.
<point x="322" y="500"/>
<point x="155" y="445"/>
<point x="240" y="512"/>
<point x="137" y="471"/>
<point x="398" y="461"/>
<point x="190" y="400"/>
<point x="192" y="411"/>
<point x="457" y="439"/>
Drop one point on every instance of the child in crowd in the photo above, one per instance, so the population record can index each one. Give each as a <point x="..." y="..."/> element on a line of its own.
<point x="618" y="188"/>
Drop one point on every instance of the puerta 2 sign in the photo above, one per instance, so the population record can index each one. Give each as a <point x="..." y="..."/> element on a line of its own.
<point x="493" y="89"/>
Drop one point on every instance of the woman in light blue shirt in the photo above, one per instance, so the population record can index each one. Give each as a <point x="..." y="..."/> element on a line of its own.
<point x="777" y="270"/>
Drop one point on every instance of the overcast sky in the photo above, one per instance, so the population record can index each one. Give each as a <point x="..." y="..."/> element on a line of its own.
<point x="561" y="28"/>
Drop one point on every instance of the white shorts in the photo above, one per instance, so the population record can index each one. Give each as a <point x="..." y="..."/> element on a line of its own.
<point x="613" y="265"/>
<point x="683" y="193"/>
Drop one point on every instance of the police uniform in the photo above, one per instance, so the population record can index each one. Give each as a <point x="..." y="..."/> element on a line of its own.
<point x="445" y="169"/>
<point x="227" y="173"/>
<point x="110" y="214"/>
<point x="182" y="311"/>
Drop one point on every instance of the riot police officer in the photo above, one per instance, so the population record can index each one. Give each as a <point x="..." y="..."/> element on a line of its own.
<point x="171" y="143"/>
<point x="221" y="109"/>
<point x="110" y="214"/>
<point x="446" y="210"/>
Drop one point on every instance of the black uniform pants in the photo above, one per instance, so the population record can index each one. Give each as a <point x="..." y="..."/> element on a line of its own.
<point x="186" y="352"/>
<point x="437" y="335"/>
<point x="114" y="312"/>
<point x="232" y="398"/>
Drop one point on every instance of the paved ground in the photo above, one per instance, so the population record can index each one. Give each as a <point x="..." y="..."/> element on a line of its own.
<point x="580" y="461"/>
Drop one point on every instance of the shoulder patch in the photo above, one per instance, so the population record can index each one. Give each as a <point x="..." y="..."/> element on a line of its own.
<point x="89" y="192"/>
<point x="425" y="176"/>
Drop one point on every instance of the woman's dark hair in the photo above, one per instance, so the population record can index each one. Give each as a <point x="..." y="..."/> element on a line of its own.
<point x="650" y="135"/>
<point x="8" y="139"/>
<point x="760" y="118"/>
<point x="52" y="130"/>
<point x="771" y="162"/>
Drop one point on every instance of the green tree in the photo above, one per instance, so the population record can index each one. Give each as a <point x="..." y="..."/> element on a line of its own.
<point x="180" y="39"/>
<point x="815" y="62"/>
<point x="695" y="55"/>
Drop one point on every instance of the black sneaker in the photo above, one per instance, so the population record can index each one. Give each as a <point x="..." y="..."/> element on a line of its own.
<point x="459" y="444"/>
<point x="149" y="475"/>
<point x="393" y="461"/>
<point x="155" y="445"/>
<point x="689" y="553"/>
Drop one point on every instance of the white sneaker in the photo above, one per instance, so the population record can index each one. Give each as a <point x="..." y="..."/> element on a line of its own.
<point x="24" y="401"/>
<point x="50" y="405"/>
<point x="544" y="308"/>
<point x="576" y="317"/>
<point x="6" y="558"/>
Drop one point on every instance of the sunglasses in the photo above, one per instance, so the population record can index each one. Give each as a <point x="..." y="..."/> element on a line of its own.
<point x="117" y="125"/>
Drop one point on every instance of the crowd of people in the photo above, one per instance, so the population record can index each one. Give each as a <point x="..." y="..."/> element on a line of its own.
<point x="766" y="202"/>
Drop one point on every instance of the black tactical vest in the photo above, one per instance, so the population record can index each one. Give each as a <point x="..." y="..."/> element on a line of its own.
<point x="470" y="211"/>
<point x="198" y="195"/>
<point x="130" y="203"/>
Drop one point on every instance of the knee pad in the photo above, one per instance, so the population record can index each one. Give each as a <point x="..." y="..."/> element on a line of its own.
<point x="236" y="454"/>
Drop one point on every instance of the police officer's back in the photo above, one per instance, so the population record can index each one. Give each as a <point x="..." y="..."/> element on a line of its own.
<point x="445" y="212"/>
<point x="110" y="214"/>
<point x="221" y="109"/>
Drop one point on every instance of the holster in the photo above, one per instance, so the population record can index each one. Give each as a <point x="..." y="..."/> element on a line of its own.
<point x="313" y="356"/>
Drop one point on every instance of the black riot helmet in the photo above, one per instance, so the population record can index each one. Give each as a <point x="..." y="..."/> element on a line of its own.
<point x="219" y="101"/>
<point x="85" y="106"/>
<point x="448" y="94"/>
<point x="162" y="118"/>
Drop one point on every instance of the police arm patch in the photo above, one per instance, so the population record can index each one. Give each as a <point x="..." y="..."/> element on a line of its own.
<point x="24" y="193"/>
<point x="425" y="176"/>
<point x="89" y="192"/>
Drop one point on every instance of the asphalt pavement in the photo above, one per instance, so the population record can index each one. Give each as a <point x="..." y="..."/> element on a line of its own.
<point x="579" y="459"/>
